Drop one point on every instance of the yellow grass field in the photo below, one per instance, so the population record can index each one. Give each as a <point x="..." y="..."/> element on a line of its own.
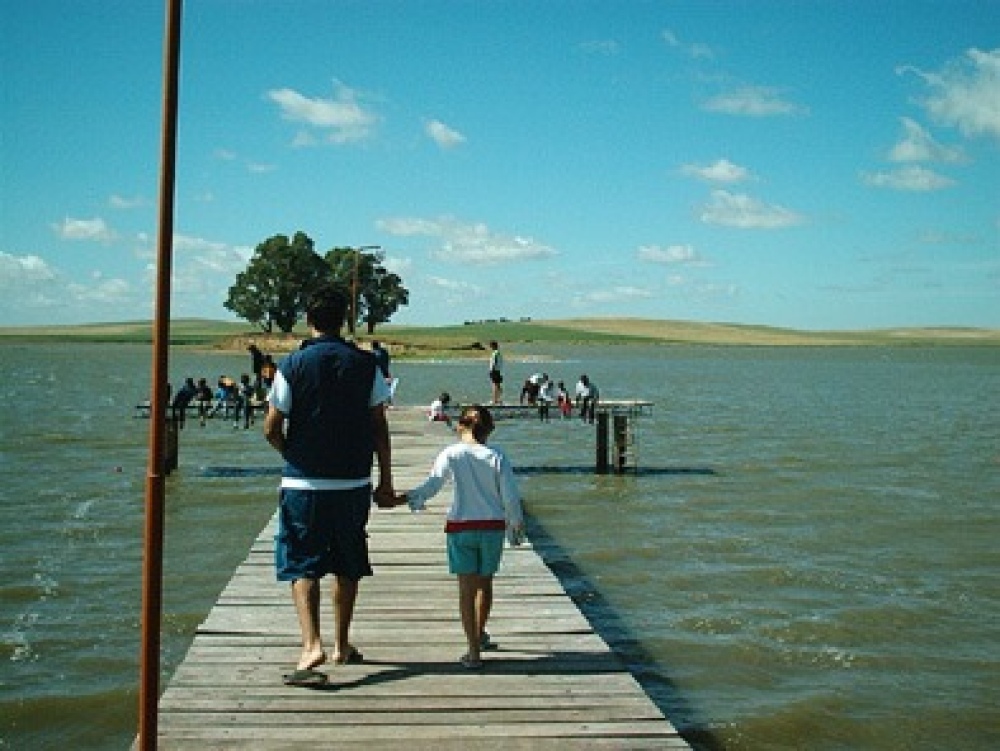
<point x="468" y="339"/>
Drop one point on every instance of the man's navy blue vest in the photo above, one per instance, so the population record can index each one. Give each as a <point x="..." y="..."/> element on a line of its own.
<point x="329" y="432"/>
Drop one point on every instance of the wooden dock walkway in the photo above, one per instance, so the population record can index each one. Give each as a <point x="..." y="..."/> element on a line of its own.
<point x="553" y="682"/>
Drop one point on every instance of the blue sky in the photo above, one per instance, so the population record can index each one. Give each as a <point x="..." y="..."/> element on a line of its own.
<point x="816" y="165"/>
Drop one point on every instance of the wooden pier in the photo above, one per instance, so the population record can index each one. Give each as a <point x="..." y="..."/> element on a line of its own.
<point x="552" y="684"/>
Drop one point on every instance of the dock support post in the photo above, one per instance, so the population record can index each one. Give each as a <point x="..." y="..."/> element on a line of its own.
<point x="171" y="447"/>
<point x="621" y="442"/>
<point x="601" y="464"/>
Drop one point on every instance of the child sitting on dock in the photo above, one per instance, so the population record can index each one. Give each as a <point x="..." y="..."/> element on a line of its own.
<point x="437" y="411"/>
<point x="485" y="504"/>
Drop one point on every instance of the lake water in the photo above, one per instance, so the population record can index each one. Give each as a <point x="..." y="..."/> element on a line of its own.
<point x="807" y="558"/>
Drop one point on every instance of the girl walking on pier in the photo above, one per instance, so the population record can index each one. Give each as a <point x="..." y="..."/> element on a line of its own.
<point x="485" y="504"/>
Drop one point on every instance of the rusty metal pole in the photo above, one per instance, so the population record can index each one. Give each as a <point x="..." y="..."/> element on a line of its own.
<point x="355" y="286"/>
<point x="152" y="561"/>
<point x="354" y="294"/>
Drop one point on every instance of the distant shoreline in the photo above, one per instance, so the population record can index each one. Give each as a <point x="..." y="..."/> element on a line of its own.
<point x="469" y="340"/>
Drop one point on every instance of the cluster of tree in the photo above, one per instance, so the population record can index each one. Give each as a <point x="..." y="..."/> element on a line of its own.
<point x="283" y="273"/>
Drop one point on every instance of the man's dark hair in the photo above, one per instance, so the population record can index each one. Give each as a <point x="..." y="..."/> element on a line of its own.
<point x="326" y="309"/>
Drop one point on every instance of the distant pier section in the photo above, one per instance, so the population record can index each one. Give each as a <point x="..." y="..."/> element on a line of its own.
<point x="616" y="442"/>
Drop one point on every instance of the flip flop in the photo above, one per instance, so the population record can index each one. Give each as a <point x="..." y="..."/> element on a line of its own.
<point x="469" y="664"/>
<point x="354" y="657"/>
<point x="307" y="678"/>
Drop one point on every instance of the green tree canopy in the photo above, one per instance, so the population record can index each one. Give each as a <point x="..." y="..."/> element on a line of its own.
<point x="277" y="282"/>
<point x="379" y="291"/>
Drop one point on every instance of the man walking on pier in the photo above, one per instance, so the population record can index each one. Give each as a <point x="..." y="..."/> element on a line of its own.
<point x="326" y="417"/>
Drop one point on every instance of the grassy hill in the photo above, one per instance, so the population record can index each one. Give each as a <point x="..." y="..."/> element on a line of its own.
<point x="467" y="338"/>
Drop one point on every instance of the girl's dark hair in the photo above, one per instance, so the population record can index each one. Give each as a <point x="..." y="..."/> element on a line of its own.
<point x="478" y="420"/>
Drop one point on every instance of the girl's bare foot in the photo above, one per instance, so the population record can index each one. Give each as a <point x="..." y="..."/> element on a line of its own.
<point x="311" y="660"/>
<point x="350" y="657"/>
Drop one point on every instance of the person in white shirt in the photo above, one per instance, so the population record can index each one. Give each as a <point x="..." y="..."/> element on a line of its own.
<point x="437" y="411"/>
<point x="546" y="396"/>
<point x="586" y="398"/>
<point x="485" y="504"/>
<point x="496" y="372"/>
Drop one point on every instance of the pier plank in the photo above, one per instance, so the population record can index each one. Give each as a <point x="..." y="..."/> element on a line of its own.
<point x="552" y="683"/>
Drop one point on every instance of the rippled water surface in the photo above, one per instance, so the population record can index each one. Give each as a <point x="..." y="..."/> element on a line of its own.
<point x="807" y="557"/>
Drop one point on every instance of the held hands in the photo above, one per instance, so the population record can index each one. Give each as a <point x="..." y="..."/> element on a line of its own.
<point x="384" y="496"/>
<point x="387" y="498"/>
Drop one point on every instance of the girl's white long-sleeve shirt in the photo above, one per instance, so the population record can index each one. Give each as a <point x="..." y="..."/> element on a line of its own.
<point x="484" y="492"/>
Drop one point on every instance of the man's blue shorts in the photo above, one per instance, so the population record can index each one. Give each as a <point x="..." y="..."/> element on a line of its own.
<point x="322" y="532"/>
<point x="475" y="551"/>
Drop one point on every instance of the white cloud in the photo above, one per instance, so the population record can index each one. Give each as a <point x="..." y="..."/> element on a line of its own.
<point x="33" y="291"/>
<point x="464" y="242"/>
<point x="452" y="291"/>
<point x="917" y="145"/>
<point x="18" y="270"/>
<point x="119" y="202"/>
<point x="670" y="255"/>
<point x="966" y="93"/>
<point x="911" y="178"/>
<point x="614" y="294"/>
<point x="341" y="119"/>
<point x="304" y="139"/>
<point x="398" y="265"/>
<point x="601" y="47"/>
<point x="946" y="237"/>
<point x="453" y="285"/>
<point x="753" y="101"/>
<point x="101" y="292"/>
<point x="745" y="212"/>
<point x="212" y="254"/>
<point x="721" y="171"/>
<point x="84" y="229"/>
<point x="442" y="135"/>
<point x="408" y="226"/>
<point x="203" y="271"/>
<point x="696" y="50"/>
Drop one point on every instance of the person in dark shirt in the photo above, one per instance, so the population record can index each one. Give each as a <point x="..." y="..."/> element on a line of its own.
<point x="181" y="401"/>
<point x="326" y="417"/>
<point x="256" y="363"/>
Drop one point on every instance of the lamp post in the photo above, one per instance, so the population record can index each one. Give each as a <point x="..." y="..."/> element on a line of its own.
<point x="354" y="285"/>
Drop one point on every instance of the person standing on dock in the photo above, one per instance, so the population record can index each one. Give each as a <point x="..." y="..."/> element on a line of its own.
<point x="546" y="396"/>
<point x="485" y="504"/>
<point x="496" y="372"/>
<point x="326" y="417"/>
<point x="203" y="398"/>
<point x="244" y="402"/>
<point x="182" y="399"/>
<point x="256" y="363"/>
<point x="586" y="398"/>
